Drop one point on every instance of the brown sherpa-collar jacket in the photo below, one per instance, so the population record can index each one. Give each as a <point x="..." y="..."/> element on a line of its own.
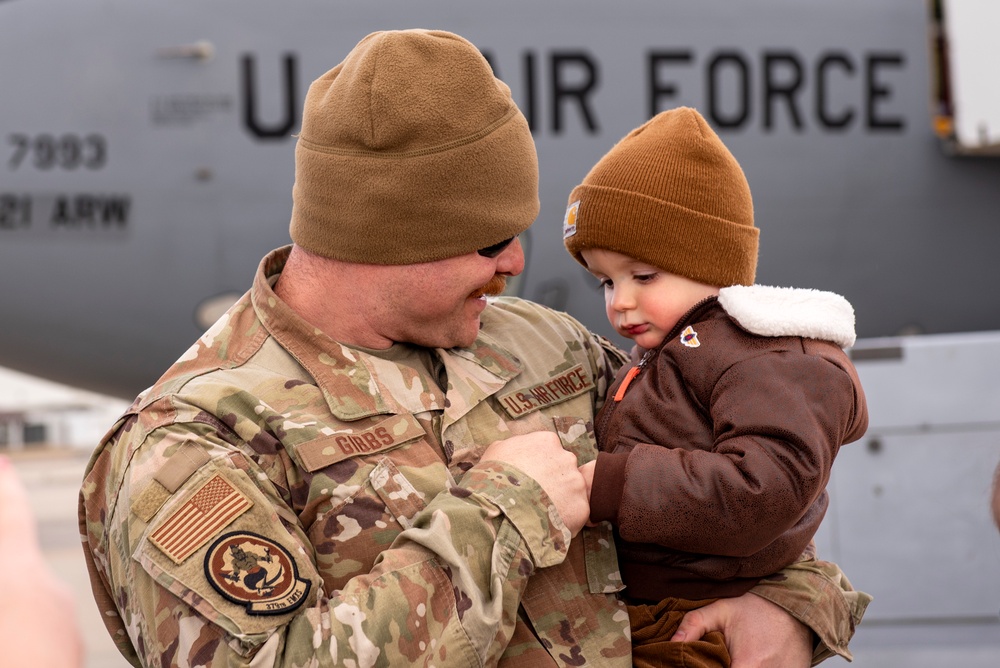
<point x="714" y="461"/>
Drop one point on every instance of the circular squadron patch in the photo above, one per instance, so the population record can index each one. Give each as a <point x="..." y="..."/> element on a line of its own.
<point x="255" y="572"/>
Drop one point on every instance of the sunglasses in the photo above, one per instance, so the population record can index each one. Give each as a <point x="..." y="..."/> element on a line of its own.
<point x="496" y="249"/>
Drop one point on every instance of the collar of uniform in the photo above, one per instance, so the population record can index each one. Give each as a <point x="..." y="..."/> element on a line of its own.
<point x="352" y="381"/>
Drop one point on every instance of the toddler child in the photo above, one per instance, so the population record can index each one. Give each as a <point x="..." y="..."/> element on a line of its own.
<point x="716" y="444"/>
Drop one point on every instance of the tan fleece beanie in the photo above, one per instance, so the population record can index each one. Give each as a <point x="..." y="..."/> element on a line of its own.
<point x="411" y="151"/>
<point x="669" y="194"/>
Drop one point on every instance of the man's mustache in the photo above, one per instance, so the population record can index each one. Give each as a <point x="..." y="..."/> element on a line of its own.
<point x="494" y="287"/>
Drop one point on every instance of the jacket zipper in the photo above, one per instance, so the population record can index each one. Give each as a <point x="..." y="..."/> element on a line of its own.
<point x="609" y="407"/>
<point x="630" y="375"/>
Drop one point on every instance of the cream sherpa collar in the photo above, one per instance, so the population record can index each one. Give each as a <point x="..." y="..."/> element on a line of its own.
<point x="772" y="311"/>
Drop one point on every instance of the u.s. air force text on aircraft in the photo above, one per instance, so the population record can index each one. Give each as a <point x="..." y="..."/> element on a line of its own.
<point x="833" y="90"/>
<point x="738" y="89"/>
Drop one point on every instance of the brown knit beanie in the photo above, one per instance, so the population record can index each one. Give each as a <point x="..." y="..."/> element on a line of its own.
<point x="669" y="194"/>
<point x="411" y="151"/>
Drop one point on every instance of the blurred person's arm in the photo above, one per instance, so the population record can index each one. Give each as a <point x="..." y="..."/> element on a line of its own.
<point x="996" y="497"/>
<point x="38" y="625"/>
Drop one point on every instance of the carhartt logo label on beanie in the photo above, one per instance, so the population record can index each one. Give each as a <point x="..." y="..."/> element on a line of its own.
<point x="569" y="221"/>
<point x="411" y="151"/>
<point x="670" y="194"/>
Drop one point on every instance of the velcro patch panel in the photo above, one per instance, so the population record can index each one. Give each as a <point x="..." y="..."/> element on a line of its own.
<point x="211" y="508"/>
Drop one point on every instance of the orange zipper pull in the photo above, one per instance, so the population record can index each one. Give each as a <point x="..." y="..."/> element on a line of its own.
<point x="632" y="373"/>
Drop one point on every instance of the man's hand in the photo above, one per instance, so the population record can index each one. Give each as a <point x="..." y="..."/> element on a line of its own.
<point x="37" y="618"/>
<point x="587" y="471"/>
<point x="540" y="454"/>
<point x="757" y="632"/>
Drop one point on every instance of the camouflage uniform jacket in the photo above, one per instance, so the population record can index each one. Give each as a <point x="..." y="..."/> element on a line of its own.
<point x="279" y="499"/>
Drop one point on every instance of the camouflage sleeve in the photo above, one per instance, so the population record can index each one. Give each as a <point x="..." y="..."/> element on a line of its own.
<point x="819" y="595"/>
<point x="236" y="582"/>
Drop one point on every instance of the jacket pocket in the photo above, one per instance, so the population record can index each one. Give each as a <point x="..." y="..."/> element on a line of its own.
<point x="363" y="503"/>
<point x="400" y="497"/>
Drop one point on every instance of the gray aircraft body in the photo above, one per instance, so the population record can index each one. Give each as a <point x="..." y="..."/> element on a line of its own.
<point x="146" y="165"/>
<point x="146" y="154"/>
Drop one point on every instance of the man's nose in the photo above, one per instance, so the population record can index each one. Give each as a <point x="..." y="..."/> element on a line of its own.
<point x="511" y="261"/>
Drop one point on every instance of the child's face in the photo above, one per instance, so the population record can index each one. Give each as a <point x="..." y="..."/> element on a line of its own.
<point x="643" y="302"/>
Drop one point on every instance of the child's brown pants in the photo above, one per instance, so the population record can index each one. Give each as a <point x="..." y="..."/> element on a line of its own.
<point x="652" y="627"/>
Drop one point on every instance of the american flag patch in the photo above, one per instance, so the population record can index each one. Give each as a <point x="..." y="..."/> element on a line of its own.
<point x="213" y="507"/>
